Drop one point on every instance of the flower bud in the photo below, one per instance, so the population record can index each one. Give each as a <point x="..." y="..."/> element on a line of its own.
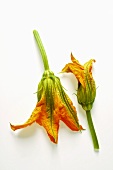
<point x="86" y="95"/>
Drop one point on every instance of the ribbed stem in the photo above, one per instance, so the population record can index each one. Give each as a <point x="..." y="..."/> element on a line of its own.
<point x="42" y="50"/>
<point x="92" y="130"/>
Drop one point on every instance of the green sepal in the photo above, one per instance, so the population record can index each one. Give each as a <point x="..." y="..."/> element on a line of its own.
<point x="86" y="95"/>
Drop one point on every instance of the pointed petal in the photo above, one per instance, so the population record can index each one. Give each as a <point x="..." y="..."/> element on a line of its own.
<point x="49" y="119"/>
<point x="34" y="116"/>
<point x="69" y="118"/>
<point x="78" y="65"/>
<point x="76" y="68"/>
<point x="90" y="83"/>
<point x="67" y="111"/>
<point x="88" y="66"/>
<point x="51" y="124"/>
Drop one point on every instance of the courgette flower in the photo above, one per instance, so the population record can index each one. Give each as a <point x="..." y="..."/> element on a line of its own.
<point x="53" y="103"/>
<point x="86" y="91"/>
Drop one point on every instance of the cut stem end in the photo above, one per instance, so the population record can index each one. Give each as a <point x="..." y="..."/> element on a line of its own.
<point x="41" y="48"/>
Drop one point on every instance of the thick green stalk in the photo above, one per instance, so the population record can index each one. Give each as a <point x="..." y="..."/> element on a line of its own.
<point x="42" y="50"/>
<point x="92" y="130"/>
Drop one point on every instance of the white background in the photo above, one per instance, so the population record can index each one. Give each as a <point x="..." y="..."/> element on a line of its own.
<point x="83" y="27"/>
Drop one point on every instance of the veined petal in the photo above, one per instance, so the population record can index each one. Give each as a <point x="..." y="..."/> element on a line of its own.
<point x="69" y="119"/>
<point x="67" y="111"/>
<point x="51" y="124"/>
<point x="49" y="119"/>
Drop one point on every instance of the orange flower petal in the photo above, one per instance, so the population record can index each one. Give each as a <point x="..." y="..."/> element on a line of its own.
<point x="88" y="66"/>
<point x="69" y="117"/>
<point x="51" y="124"/>
<point x="76" y="68"/>
<point x="34" y="116"/>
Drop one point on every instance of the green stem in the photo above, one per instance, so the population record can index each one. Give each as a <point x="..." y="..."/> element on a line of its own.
<point x="92" y="130"/>
<point x="42" y="50"/>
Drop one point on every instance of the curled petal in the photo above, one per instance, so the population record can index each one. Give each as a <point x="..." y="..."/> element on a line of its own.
<point x="88" y="67"/>
<point x="76" y="68"/>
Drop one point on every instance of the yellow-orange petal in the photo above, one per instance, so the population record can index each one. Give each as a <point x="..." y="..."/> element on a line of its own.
<point x="88" y="66"/>
<point x="51" y="124"/>
<point x="69" y="119"/>
<point x="34" y="116"/>
<point x="78" y="65"/>
<point x="68" y="113"/>
<point x="76" y="68"/>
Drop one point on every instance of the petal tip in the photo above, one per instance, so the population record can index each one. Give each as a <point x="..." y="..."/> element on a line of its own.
<point x="53" y="139"/>
<point x="81" y="128"/>
<point x="12" y="127"/>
